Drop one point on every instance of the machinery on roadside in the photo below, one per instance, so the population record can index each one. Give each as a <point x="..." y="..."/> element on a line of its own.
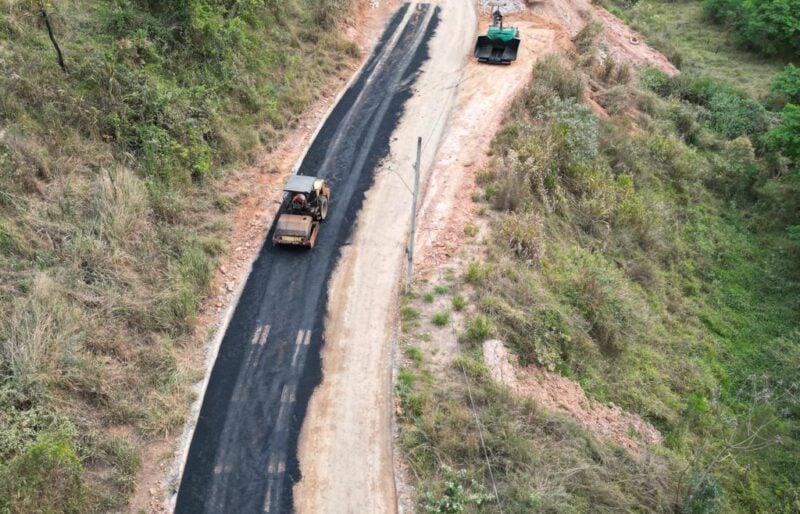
<point x="500" y="44"/>
<point x="302" y="211"/>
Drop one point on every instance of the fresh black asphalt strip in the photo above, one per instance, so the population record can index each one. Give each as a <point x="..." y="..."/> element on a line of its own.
<point x="243" y="455"/>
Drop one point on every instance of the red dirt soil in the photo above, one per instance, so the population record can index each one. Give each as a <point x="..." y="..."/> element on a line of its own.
<point x="561" y="394"/>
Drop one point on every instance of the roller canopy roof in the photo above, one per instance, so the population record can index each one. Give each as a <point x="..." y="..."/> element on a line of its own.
<point x="302" y="184"/>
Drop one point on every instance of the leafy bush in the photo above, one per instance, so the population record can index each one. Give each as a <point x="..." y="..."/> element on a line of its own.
<point x="787" y="83"/>
<point x="733" y="115"/>
<point x="46" y="477"/>
<point x="785" y="137"/>
<point x="769" y="26"/>
<point x="574" y="131"/>
<point x="656" y="81"/>
<point x="727" y="111"/>
<point x="455" y="497"/>
<point x="440" y="319"/>
<point x="479" y="328"/>
<point x="705" y="498"/>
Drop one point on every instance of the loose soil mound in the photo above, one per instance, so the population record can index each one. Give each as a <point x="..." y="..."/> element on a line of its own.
<point x="558" y="393"/>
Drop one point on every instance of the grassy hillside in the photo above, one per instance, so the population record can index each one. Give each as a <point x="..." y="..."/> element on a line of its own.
<point x="109" y="219"/>
<point x="684" y="33"/>
<point x="649" y="257"/>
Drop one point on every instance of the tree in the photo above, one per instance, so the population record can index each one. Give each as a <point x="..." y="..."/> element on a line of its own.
<point x="787" y="83"/>
<point x="785" y="137"/>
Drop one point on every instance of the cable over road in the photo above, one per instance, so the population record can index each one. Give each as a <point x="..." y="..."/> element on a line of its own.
<point x="243" y="454"/>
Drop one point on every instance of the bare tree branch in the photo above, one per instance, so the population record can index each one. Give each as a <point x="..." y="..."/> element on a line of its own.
<point x="46" y="18"/>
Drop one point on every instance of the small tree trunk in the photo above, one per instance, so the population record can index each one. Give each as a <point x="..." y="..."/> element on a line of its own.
<point x="53" y="40"/>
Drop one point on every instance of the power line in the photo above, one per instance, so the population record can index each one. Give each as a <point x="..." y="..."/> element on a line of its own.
<point x="480" y="434"/>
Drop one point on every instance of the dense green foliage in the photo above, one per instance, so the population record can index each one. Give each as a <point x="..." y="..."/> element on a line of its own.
<point x="110" y="222"/>
<point x="725" y="110"/>
<point x="768" y="26"/>
<point x="649" y="263"/>
<point x="787" y="83"/>
<point x="682" y="32"/>
<point x="785" y="137"/>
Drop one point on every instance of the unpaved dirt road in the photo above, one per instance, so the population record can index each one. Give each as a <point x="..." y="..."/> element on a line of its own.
<point x="345" y="446"/>
<point x="243" y="452"/>
<point x="484" y="96"/>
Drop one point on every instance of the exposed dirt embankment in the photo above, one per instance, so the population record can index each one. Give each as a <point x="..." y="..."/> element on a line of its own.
<point x="561" y="394"/>
<point x="617" y="40"/>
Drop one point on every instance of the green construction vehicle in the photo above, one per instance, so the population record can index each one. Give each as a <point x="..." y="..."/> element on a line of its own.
<point x="500" y="44"/>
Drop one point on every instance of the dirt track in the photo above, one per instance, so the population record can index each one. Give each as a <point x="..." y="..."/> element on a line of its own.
<point x="346" y="444"/>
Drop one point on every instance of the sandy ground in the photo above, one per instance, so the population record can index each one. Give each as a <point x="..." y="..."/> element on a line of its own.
<point x="345" y="448"/>
<point x="255" y="191"/>
<point x="561" y="394"/>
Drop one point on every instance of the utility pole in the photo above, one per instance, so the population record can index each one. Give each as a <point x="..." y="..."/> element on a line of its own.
<point x="411" y="235"/>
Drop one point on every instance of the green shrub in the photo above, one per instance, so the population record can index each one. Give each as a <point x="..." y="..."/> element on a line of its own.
<point x="46" y="477"/>
<point x="787" y="83"/>
<point x="573" y="130"/>
<point x="705" y="498"/>
<point x="785" y="137"/>
<point x="408" y="313"/>
<point x="656" y="80"/>
<point x="733" y="114"/>
<point x="479" y="328"/>
<point x="770" y="26"/>
<point x="455" y="496"/>
<point x="728" y="111"/>
<point x="459" y="302"/>
<point x="440" y="319"/>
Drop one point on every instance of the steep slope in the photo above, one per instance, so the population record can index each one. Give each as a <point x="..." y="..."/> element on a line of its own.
<point x="627" y="242"/>
<point x="111" y="222"/>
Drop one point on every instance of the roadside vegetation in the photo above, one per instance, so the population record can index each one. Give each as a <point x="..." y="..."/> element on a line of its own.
<point x="109" y="220"/>
<point x="683" y="31"/>
<point x="651" y="257"/>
